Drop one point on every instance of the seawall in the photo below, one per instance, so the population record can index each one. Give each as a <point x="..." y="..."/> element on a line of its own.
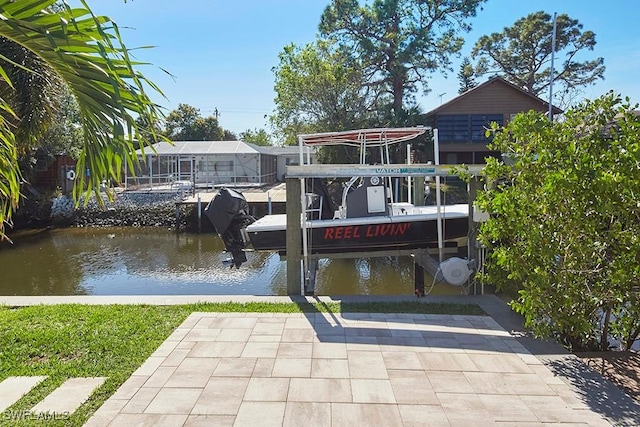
<point x="128" y="209"/>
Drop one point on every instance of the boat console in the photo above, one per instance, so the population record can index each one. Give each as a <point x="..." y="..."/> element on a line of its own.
<point x="369" y="199"/>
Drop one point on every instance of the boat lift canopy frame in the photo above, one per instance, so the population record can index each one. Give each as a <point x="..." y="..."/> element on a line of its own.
<point x="364" y="138"/>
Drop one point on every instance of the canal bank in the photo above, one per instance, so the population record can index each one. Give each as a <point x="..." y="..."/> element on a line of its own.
<point x="163" y="206"/>
<point x="125" y="209"/>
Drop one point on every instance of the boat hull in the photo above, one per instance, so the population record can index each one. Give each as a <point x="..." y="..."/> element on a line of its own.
<point x="385" y="235"/>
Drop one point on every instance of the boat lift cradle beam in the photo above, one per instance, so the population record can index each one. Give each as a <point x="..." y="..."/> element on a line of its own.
<point x="295" y="176"/>
<point x="399" y="170"/>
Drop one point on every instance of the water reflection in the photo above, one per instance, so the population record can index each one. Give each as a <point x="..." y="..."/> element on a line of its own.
<point x="135" y="261"/>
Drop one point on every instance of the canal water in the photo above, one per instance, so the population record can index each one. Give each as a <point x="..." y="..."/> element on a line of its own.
<point x="153" y="261"/>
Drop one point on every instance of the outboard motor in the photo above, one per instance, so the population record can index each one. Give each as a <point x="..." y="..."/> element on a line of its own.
<point x="229" y="214"/>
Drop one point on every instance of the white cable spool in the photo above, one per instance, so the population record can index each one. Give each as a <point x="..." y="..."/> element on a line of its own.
<point x="455" y="271"/>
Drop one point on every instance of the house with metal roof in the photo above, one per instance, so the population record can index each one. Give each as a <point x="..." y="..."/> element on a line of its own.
<point x="462" y="121"/>
<point x="211" y="163"/>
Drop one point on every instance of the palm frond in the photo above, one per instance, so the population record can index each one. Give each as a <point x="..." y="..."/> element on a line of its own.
<point x="85" y="51"/>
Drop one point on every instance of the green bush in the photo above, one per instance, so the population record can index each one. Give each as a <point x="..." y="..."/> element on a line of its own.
<point x="565" y="222"/>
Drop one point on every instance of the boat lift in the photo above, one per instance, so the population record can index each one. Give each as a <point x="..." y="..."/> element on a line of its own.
<point x="298" y="259"/>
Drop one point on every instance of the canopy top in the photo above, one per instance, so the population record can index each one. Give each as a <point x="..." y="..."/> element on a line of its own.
<point x="363" y="137"/>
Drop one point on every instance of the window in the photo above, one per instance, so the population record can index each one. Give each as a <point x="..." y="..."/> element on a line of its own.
<point x="465" y="127"/>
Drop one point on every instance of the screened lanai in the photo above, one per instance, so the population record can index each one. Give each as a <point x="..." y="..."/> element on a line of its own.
<point x="204" y="163"/>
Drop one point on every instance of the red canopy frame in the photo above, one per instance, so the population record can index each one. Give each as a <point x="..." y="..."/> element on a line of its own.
<point x="363" y="137"/>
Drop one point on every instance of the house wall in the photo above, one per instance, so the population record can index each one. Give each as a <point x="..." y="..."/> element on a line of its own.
<point x="285" y="160"/>
<point x="55" y="175"/>
<point x="496" y="98"/>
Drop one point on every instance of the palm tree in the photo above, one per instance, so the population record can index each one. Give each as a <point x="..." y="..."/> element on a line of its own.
<point x="45" y="44"/>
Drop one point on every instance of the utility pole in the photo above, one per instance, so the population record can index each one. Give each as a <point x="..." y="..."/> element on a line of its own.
<point x="553" y="54"/>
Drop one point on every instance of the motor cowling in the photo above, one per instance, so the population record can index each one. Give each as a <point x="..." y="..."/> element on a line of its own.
<point x="228" y="211"/>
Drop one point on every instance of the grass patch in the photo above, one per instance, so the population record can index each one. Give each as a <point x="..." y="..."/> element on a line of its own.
<point x="67" y="341"/>
<point x="340" y="307"/>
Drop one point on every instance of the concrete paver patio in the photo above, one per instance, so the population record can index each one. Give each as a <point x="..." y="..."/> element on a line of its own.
<point x="339" y="369"/>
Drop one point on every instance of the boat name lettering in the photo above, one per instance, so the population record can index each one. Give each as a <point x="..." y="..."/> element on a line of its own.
<point x="366" y="231"/>
<point x="405" y="170"/>
<point x="387" y="170"/>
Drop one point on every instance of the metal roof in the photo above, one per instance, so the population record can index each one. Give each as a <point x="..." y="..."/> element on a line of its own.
<point x="288" y="150"/>
<point x="216" y="147"/>
<point x="201" y="147"/>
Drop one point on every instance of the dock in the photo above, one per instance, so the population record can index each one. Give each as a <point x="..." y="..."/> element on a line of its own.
<point x="275" y="193"/>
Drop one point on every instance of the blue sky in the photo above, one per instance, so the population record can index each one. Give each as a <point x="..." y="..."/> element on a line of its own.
<point x="221" y="52"/>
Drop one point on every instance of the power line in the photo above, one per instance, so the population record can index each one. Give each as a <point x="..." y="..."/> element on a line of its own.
<point x="220" y="111"/>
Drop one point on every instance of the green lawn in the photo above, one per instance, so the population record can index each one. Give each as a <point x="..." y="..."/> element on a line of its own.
<point x="66" y="341"/>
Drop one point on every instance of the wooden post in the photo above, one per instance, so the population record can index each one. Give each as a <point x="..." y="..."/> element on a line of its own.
<point x="294" y="236"/>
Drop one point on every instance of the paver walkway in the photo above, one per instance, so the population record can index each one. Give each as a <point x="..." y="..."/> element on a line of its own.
<point x="325" y="369"/>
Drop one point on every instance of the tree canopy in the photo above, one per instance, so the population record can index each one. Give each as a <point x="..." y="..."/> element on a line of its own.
<point x="319" y="88"/>
<point x="64" y="135"/>
<point x="185" y="123"/>
<point x="564" y="230"/>
<point x="466" y="76"/>
<point x="256" y="136"/>
<point x="86" y="53"/>
<point x="522" y="53"/>
<point x="399" y="42"/>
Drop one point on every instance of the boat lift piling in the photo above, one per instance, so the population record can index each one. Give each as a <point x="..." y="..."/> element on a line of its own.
<point x="297" y="283"/>
<point x="294" y="242"/>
